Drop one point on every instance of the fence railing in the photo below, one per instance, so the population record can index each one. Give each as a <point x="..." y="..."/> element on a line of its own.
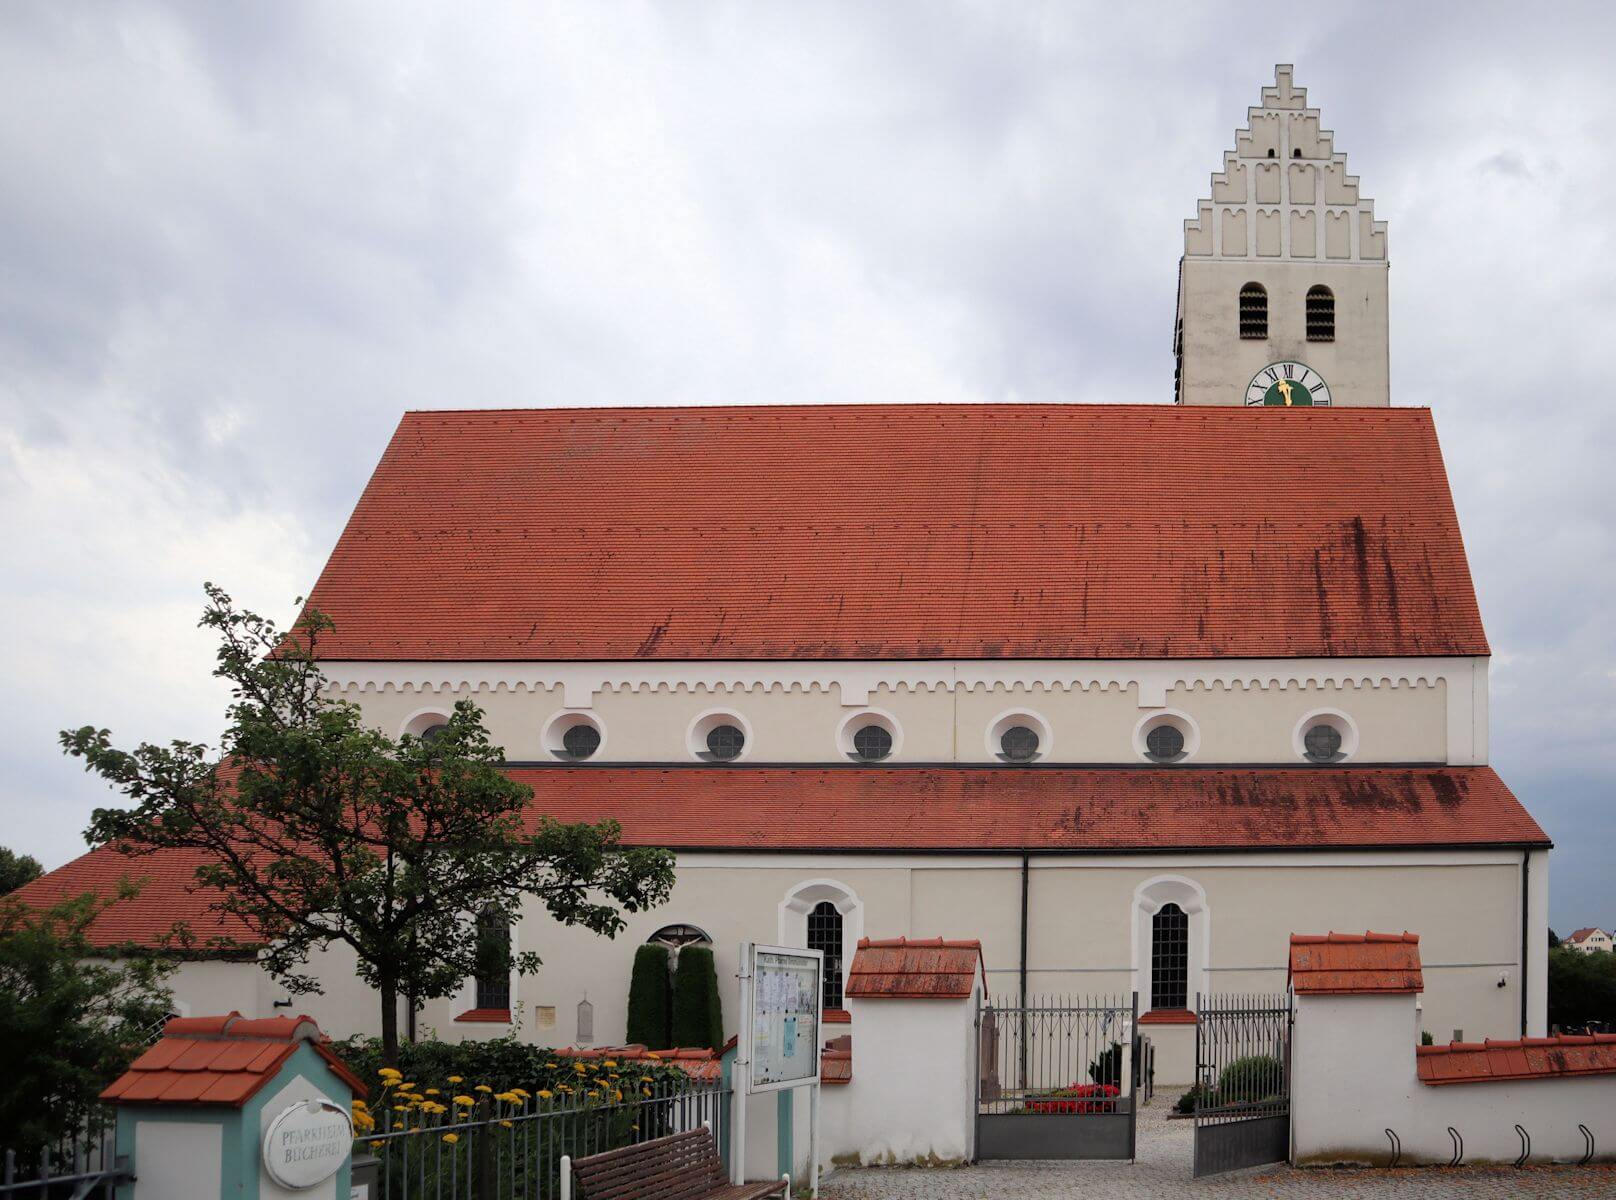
<point x="506" y="1153"/>
<point x="88" y="1166"/>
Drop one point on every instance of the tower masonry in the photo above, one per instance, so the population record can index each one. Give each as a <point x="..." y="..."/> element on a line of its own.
<point x="1282" y="289"/>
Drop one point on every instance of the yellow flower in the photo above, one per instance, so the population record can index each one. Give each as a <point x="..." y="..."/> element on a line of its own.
<point x="545" y="1094"/>
<point x="520" y="1092"/>
<point x="611" y="1062"/>
<point x="619" y="1095"/>
<point x="433" y="1092"/>
<point x="482" y="1087"/>
<point x="505" y="1125"/>
<point x="451" y="1138"/>
<point x="581" y="1069"/>
<point x="464" y="1101"/>
<point x="652" y="1054"/>
<point x="391" y="1073"/>
<point x="456" y="1079"/>
<point x="359" y="1104"/>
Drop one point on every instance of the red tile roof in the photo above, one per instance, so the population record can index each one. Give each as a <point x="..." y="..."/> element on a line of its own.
<point x="1528" y="1058"/>
<point x="1049" y="809"/>
<point x="1581" y="934"/>
<point x="1356" y="964"/>
<point x="903" y="531"/>
<point x="835" y="1067"/>
<point x="168" y="894"/>
<point x="914" y="969"/>
<point x="1041" y="808"/>
<point x="221" y="1060"/>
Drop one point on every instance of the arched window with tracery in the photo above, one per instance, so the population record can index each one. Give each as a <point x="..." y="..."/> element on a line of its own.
<point x="825" y="934"/>
<point x="1169" y="958"/>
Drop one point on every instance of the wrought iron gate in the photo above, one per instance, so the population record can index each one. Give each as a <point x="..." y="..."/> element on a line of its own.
<point x="1057" y="1077"/>
<point x="1242" y="1081"/>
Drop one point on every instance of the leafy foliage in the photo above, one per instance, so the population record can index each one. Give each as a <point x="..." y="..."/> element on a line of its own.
<point x="70" y="1022"/>
<point x="322" y="830"/>
<point x="17" y="869"/>
<point x="502" y="1063"/>
<point x="649" y="998"/>
<point x="1582" y="988"/>
<point x="698" y="1018"/>
<point x="1107" y="1065"/>
<point x="1254" y="1077"/>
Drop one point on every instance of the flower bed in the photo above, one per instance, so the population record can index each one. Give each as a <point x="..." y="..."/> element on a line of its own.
<point x="1079" y="1098"/>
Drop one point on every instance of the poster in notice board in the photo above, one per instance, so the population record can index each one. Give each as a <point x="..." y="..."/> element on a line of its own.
<point x="785" y="1017"/>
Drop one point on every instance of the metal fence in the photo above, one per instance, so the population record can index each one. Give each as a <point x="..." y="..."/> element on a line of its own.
<point x="1056" y="1077"/>
<point x="517" y="1155"/>
<point x="88" y="1166"/>
<point x="1242" y="1080"/>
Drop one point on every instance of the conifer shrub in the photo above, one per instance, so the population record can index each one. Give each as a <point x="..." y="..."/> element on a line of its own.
<point x="650" y="999"/>
<point x="698" y="1017"/>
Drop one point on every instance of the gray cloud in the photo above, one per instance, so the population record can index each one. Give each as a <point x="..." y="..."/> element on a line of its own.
<point x="237" y="240"/>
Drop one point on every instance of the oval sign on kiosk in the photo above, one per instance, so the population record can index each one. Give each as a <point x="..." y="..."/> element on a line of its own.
<point x="307" y="1143"/>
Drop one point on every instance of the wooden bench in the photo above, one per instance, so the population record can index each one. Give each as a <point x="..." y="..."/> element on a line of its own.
<point x="682" y="1166"/>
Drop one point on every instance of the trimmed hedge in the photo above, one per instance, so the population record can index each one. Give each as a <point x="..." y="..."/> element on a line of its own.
<point x="650" y="999"/>
<point x="698" y="1016"/>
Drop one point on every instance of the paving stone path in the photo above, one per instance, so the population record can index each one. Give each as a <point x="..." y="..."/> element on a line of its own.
<point x="1163" y="1170"/>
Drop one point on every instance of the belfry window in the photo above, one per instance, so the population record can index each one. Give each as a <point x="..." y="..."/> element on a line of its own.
<point x="493" y="961"/>
<point x="1169" y="958"/>
<point x="1320" y="314"/>
<point x="1254" y="311"/>
<point x="825" y="934"/>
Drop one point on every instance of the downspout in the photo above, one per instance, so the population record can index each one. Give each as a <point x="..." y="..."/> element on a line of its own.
<point x="1526" y="916"/>
<point x="1025" y="880"/>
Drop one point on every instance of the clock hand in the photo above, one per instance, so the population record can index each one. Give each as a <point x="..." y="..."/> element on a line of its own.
<point x="1285" y="391"/>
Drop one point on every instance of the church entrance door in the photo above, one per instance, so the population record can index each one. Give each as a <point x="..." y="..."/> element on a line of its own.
<point x="1057" y="1077"/>
<point x="1242" y="1081"/>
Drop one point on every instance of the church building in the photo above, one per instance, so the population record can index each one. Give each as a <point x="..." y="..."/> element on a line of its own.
<point x="1130" y="693"/>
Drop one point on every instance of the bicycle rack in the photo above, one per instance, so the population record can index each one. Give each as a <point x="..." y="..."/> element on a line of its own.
<point x="1397" y="1150"/>
<point x="1458" y="1147"/>
<point x="1526" y="1146"/>
<point x="1588" y="1137"/>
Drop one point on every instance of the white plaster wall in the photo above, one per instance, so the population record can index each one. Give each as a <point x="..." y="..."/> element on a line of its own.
<point x="178" y="1161"/>
<point x="1405" y="710"/>
<point x="1175" y="1058"/>
<point x="912" y="1093"/>
<point x="1354" y="1076"/>
<point x="1465" y="905"/>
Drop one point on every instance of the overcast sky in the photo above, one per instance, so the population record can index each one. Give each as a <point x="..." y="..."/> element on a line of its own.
<point x="238" y="240"/>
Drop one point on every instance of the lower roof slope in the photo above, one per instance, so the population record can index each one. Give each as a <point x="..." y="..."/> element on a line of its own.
<point x="903" y="532"/>
<point x="1074" y="810"/>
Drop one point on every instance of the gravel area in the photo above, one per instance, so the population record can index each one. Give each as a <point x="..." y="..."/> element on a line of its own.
<point x="1163" y="1170"/>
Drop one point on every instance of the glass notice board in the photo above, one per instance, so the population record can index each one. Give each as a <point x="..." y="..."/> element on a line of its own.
<point x="785" y="1016"/>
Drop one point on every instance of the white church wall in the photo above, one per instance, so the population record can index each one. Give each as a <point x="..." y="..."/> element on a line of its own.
<point x="1402" y="710"/>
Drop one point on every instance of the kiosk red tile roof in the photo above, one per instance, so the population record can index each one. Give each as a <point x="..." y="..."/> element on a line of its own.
<point x="914" y="969"/>
<point x="221" y="1060"/>
<point x="904" y="531"/>
<point x="1356" y="964"/>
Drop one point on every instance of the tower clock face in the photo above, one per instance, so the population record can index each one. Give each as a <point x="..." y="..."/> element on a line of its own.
<point x="1287" y="385"/>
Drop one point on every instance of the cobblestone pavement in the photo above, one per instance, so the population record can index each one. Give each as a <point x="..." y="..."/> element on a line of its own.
<point x="1163" y="1170"/>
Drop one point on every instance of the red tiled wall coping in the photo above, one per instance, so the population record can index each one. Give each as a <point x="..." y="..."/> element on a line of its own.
<point x="1522" y="1059"/>
<point x="1355" y="964"/>
<point x="1168" y="1016"/>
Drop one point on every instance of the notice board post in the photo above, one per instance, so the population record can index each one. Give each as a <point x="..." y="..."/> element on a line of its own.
<point x="782" y="1011"/>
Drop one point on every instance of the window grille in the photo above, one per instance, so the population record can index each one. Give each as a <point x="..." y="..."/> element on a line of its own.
<point x="493" y="961"/>
<point x="1254" y="311"/>
<point x="1165" y="743"/>
<point x="1320" y="314"/>
<point x="725" y="742"/>
<point x="825" y="934"/>
<point x="1169" y="958"/>
<point x="1019" y="743"/>
<point x="871" y="743"/>
<point x="1322" y="743"/>
<point x="580" y="741"/>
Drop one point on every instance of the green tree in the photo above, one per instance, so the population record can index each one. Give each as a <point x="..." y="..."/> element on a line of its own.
<point x="698" y="1016"/>
<point x="1554" y="939"/>
<point x="648" y="998"/>
<point x="70" y="1021"/>
<point x="1582" y="988"/>
<point x="17" y="869"/>
<point x="320" y="830"/>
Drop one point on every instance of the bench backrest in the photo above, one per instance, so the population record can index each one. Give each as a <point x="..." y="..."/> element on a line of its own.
<point x="682" y="1166"/>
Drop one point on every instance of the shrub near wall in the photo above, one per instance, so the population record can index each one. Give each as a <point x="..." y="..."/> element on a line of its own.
<point x="501" y="1064"/>
<point x="698" y="1017"/>
<point x="649" y="999"/>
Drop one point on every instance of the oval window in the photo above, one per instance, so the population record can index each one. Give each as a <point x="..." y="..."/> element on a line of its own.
<point x="872" y="743"/>
<point x="725" y="742"/>
<point x="1165" y="743"/>
<point x="1322" y="743"/>
<point x="1019" y="743"/>
<point x="580" y="741"/>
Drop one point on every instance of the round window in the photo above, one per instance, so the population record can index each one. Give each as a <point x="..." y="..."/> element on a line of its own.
<point x="1165" y="743"/>
<point x="725" y="742"/>
<point x="433" y="732"/>
<point x="580" y="741"/>
<point x="1019" y="743"/>
<point x="871" y="743"/>
<point x="1322" y="743"/>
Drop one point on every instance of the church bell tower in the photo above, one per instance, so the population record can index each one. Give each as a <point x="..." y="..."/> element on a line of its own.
<point x="1282" y="286"/>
